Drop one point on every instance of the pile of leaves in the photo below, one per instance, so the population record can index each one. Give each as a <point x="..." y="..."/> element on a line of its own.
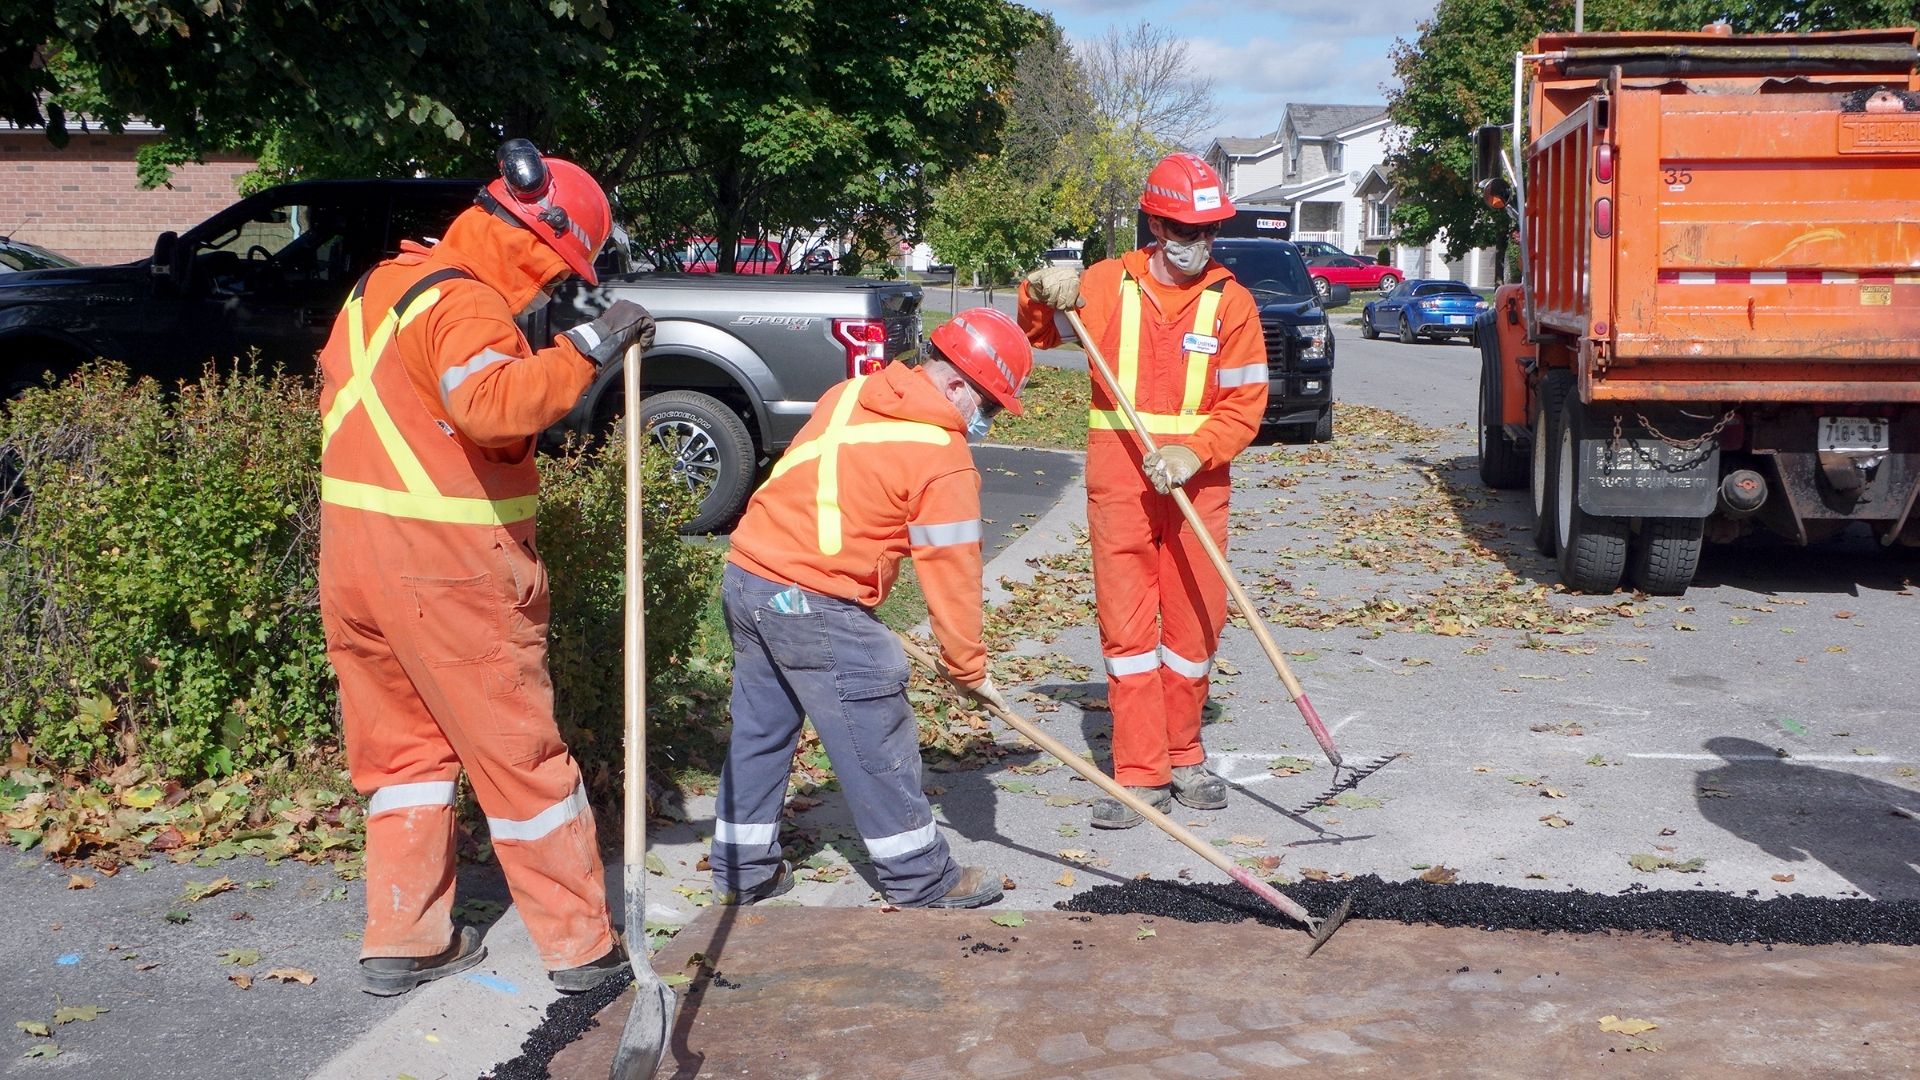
<point x="1056" y="411"/>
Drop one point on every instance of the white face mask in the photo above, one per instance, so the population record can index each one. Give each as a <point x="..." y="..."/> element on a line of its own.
<point x="1189" y="257"/>
<point x="540" y="299"/>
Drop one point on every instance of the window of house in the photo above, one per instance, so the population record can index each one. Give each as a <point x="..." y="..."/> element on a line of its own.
<point x="1336" y="156"/>
<point x="1320" y="217"/>
<point x="1381" y="218"/>
<point x="1293" y="160"/>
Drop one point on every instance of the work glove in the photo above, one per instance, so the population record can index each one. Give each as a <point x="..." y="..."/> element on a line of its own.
<point x="991" y="694"/>
<point x="1170" y="466"/>
<point x="1057" y="287"/>
<point x="605" y="338"/>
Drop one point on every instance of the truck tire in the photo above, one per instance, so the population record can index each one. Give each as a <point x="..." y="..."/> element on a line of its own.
<point x="1665" y="554"/>
<point x="1593" y="550"/>
<point x="1321" y="430"/>
<point x="1544" y="468"/>
<point x="1502" y="466"/>
<point x="711" y="450"/>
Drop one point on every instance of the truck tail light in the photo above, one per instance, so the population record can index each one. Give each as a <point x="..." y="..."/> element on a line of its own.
<point x="1603" y="163"/>
<point x="866" y="343"/>
<point x="1603" y="218"/>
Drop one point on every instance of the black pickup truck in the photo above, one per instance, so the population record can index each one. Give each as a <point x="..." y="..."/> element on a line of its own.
<point x="734" y="371"/>
<point x="1299" y="336"/>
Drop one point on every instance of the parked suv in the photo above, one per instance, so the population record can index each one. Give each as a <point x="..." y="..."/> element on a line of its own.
<point x="735" y="368"/>
<point x="1299" y="337"/>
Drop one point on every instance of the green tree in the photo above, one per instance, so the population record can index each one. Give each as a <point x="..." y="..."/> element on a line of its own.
<point x="989" y="221"/>
<point x="1457" y="74"/>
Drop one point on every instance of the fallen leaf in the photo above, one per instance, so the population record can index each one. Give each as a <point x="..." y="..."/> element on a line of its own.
<point x="81" y="881"/>
<point x="178" y="917"/>
<point x="1012" y="919"/>
<point x="1144" y="933"/>
<point x="291" y="974"/>
<point x="1783" y="877"/>
<point x="1065" y="880"/>
<point x="1644" y="863"/>
<point x="1353" y="800"/>
<point x="1555" y="821"/>
<point x="1441" y="875"/>
<point x="196" y="892"/>
<point x="1247" y="841"/>
<point x="240" y="957"/>
<point x="1007" y="883"/>
<point x="43" y="1050"/>
<point x="1552" y="793"/>
<point x="1843" y="614"/>
<point x="654" y="863"/>
<point x="36" y="1028"/>
<point x="241" y="979"/>
<point x="1865" y="751"/>
<point x="1628" y="1026"/>
<point x="83" y="1013"/>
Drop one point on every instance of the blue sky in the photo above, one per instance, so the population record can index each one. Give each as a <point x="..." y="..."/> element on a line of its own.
<point x="1265" y="53"/>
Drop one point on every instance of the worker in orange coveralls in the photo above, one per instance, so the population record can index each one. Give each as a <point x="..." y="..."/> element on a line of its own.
<point x="433" y="596"/>
<point x="881" y="471"/>
<point x="1184" y="341"/>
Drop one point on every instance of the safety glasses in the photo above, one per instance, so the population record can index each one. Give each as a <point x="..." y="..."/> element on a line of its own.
<point x="1187" y="234"/>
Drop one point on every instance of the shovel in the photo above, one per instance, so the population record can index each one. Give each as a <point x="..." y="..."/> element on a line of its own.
<point x="1214" y="555"/>
<point x="650" y="1021"/>
<point x="1321" y="929"/>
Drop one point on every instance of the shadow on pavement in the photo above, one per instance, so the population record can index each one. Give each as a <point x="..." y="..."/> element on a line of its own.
<point x="1798" y="812"/>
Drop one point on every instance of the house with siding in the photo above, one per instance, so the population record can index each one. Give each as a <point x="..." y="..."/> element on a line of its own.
<point x="1314" y="166"/>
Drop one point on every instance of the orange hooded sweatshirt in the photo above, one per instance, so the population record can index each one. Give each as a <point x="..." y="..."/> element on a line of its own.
<point x="881" y="471"/>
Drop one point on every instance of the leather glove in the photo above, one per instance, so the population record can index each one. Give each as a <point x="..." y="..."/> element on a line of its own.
<point x="1170" y="466"/>
<point x="991" y="694"/>
<point x="1057" y="287"/>
<point x="607" y="337"/>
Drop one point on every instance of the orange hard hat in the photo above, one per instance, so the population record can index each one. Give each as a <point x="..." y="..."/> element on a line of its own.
<point x="992" y="350"/>
<point x="556" y="199"/>
<point x="1185" y="188"/>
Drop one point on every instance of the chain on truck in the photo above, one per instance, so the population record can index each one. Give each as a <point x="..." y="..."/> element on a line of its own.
<point x="1717" y="328"/>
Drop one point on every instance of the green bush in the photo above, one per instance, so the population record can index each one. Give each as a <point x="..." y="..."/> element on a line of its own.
<point x="158" y="592"/>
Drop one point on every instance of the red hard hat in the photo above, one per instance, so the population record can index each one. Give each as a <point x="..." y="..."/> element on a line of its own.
<point x="991" y="349"/>
<point x="1185" y="188"/>
<point x="557" y="200"/>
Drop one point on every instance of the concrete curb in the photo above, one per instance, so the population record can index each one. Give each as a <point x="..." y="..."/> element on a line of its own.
<point x="1052" y="533"/>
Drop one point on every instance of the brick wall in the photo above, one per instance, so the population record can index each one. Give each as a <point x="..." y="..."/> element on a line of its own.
<point x="85" y="203"/>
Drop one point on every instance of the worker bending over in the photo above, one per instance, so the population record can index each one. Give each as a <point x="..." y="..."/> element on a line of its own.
<point x="881" y="471"/>
<point x="1185" y="344"/>
<point x="432" y="593"/>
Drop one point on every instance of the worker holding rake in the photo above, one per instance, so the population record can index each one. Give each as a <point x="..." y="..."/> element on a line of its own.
<point x="881" y="471"/>
<point x="1189" y="354"/>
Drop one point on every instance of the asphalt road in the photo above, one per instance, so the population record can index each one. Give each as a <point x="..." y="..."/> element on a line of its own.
<point x="1762" y="724"/>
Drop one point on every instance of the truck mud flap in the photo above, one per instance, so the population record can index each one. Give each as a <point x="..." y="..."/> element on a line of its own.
<point x="1647" y="472"/>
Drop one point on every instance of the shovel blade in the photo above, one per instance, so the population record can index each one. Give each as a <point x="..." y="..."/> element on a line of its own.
<point x="643" y="1043"/>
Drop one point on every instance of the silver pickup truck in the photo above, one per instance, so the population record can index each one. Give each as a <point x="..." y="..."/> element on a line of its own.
<point x="736" y="365"/>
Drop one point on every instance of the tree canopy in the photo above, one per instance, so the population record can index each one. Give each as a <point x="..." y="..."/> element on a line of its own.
<point x="730" y="115"/>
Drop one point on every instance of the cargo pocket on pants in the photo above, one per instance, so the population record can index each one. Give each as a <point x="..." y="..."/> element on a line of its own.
<point x="456" y="620"/>
<point x="879" y="718"/>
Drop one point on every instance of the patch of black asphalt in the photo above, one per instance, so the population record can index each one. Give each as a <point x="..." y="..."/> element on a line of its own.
<point x="1685" y="914"/>
<point x="566" y="1020"/>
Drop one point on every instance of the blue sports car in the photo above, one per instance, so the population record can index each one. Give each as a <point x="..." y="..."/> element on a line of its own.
<point x="1423" y="307"/>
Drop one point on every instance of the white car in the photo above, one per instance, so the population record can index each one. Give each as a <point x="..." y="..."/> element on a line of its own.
<point x="1061" y="257"/>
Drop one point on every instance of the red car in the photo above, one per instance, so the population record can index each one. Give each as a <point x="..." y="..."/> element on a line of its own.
<point x="749" y="257"/>
<point x="1353" y="273"/>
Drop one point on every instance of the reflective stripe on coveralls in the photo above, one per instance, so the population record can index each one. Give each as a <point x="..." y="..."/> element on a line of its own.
<point x="422" y="499"/>
<point x="826" y="450"/>
<point x="1189" y="418"/>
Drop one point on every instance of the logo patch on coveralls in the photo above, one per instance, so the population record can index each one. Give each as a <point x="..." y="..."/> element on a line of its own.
<point x="1200" y="343"/>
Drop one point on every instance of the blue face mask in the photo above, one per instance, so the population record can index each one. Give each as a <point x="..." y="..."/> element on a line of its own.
<point x="978" y="427"/>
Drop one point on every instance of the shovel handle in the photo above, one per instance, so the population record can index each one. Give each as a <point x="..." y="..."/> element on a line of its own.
<point x="1215" y="556"/>
<point x="1114" y="790"/>
<point x="634" y="841"/>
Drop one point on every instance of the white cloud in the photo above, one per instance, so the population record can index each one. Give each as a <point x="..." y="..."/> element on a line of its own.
<point x="1254" y="80"/>
<point x="1318" y="18"/>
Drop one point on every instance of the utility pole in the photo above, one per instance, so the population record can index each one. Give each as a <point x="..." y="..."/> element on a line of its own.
<point x="1579" y="16"/>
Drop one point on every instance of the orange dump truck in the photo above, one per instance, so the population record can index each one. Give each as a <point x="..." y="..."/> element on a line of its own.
<point x="1719" y="323"/>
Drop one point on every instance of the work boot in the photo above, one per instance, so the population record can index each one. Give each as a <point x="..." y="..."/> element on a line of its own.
<point x="385" y="976"/>
<point x="780" y="882"/>
<point x="578" y="980"/>
<point x="976" y="887"/>
<point x="1199" y="788"/>
<point x="1114" y="814"/>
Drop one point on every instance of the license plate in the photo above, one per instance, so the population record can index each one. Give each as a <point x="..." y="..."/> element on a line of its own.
<point x="1459" y="320"/>
<point x="1853" y="434"/>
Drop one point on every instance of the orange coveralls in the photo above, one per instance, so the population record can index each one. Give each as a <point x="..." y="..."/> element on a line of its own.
<point x="1193" y="361"/>
<point x="433" y="596"/>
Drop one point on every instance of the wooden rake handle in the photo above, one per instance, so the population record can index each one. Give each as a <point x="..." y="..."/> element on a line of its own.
<point x="1108" y="784"/>
<point x="1214" y="555"/>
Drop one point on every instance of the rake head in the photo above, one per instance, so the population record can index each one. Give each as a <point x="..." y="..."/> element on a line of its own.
<point x="1347" y="783"/>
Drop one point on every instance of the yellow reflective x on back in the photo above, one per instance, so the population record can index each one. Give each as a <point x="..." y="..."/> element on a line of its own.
<point x="825" y="449"/>
<point x="421" y="499"/>
<point x="1194" y="388"/>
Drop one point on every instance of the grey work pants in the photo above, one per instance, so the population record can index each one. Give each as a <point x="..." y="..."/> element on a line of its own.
<point x="844" y="669"/>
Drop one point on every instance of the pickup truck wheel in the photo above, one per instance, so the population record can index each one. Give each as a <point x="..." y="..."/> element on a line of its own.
<point x="1549" y="397"/>
<point x="1407" y="336"/>
<point x="712" y="453"/>
<point x="1321" y="430"/>
<point x="1665" y="554"/>
<point x="1593" y="550"/>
